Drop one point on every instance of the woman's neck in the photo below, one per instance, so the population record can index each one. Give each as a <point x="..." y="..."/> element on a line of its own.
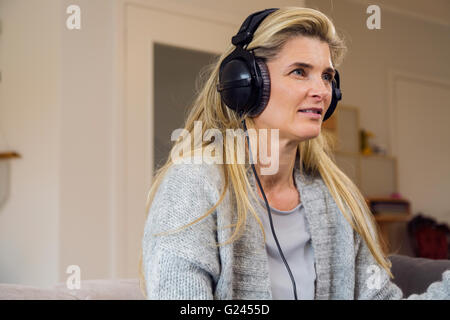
<point x="284" y="162"/>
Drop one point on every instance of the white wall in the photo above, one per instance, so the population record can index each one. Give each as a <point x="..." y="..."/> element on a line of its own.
<point x="30" y="99"/>
<point x="411" y="47"/>
<point x="87" y="138"/>
<point x="57" y="103"/>
<point x="402" y="43"/>
<point x="61" y="108"/>
<point x="405" y="44"/>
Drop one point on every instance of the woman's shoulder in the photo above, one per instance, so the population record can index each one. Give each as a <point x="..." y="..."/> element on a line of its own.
<point x="186" y="192"/>
<point x="195" y="173"/>
<point x="188" y="182"/>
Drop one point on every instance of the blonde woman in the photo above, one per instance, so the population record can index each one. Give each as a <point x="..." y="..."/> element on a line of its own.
<point x="290" y="225"/>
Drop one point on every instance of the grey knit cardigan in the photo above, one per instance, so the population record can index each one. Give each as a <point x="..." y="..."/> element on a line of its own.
<point x="188" y="265"/>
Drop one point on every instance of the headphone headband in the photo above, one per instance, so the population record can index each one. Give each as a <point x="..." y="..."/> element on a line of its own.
<point x="248" y="27"/>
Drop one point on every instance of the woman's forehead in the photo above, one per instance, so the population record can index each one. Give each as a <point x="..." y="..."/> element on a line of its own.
<point x="305" y="49"/>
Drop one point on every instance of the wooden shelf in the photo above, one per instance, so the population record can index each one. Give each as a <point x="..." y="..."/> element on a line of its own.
<point x="376" y="155"/>
<point x="384" y="199"/>
<point x="9" y="155"/>
<point x="386" y="216"/>
<point x="391" y="217"/>
<point x="358" y="154"/>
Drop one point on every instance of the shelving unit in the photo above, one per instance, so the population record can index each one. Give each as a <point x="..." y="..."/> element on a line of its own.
<point x="399" y="213"/>
<point x="375" y="175"/>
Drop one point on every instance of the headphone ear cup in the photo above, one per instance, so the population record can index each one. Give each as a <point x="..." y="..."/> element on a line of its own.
<point x="331" y="108"/>
<point x="264" y="95"/>
<point x="235" y="85"/>
<point x="336" y="96"/>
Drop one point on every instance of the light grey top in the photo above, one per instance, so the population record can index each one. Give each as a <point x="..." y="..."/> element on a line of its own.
<point x="293" y="235"/>
<point x="188" y="264"/>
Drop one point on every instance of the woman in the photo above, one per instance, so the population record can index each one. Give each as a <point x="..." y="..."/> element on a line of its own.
<point x="207" y="231"/>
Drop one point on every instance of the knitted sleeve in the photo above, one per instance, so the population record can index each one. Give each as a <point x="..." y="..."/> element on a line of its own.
<point x="183" y="264"/>
<point x="373" y="282"/>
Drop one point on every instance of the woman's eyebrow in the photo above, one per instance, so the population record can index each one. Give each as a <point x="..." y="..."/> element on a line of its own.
<point x="309" y="66"/>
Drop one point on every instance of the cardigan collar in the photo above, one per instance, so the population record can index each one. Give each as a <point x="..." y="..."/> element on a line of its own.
<point x="316" y="201"/>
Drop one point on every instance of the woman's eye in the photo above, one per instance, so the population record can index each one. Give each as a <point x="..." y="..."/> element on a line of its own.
<point x="329" y="77"/>
<point x="301" y="71"/>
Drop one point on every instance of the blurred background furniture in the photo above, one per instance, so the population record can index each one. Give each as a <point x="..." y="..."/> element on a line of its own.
<point x="428" y="238"/>
<point x="412" y="275"/>
<point x="388" y="211"/>
<point x="376" y="175"/>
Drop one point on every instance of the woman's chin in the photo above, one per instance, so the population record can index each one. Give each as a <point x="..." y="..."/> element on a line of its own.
<point x="303" y="135"/>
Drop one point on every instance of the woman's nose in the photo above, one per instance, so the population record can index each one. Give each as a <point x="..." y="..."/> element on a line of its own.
<point x="320" y="88"/>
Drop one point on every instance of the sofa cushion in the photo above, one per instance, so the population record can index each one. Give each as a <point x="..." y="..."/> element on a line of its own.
<point x="24" y="292"/>
<point x="104" y="289"/>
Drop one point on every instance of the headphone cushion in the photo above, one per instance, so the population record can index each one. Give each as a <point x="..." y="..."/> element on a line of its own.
<point x="265" y="94"/>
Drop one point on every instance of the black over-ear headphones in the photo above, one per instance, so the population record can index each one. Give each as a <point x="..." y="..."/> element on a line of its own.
<point x="244" y="81"/>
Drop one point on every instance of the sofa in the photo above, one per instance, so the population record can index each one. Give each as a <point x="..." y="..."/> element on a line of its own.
<point x="412" y="275"/>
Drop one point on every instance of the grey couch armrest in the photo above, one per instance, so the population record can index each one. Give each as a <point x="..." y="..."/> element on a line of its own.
<point x="414" y="275"/>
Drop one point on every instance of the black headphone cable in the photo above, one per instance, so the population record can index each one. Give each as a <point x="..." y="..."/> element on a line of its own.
<point x="294" y="287"/>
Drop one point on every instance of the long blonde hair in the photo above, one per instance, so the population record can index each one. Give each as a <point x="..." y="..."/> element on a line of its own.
<point x="315" y="154"/>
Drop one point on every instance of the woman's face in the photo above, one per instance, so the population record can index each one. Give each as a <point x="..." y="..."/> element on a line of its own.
<point x="300" y="78"/>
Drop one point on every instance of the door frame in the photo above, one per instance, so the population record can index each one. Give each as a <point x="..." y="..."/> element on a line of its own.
<point x="393" y="76"/>
<point x="143" y="25"/>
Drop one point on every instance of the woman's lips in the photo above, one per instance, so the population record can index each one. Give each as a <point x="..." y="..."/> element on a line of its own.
<point x="312" y="115"/>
